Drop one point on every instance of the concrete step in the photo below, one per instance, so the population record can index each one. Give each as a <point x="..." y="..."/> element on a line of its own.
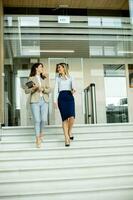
<point x="60" y="143"/>
<point x="21" y="173"/>
<point x="98" y="165"/>
<point x="57" y="185"/>
<point x="49" y="161"/>
<point x="76" y="129"/>
<point x="61" y="151"/>
<point x="78" y="136"/>
<point x="115" y="193"/>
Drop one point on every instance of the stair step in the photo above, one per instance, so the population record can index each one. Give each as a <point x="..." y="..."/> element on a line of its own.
<point x="78" y="136"/>
<point x="60" y="143"/>
<point x="66" y="171"/>
<point x="76" y="128"/>
<point x="115" y="193"/>
<point x="57" y="185"/>
<point x="65" y="160"/>
<point x="83" y="150"/>
<point x="54" y="171"/>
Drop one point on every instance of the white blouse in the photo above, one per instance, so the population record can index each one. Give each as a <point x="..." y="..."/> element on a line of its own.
<point x="63" y="84"/>
<point x="39" y="82"/>
<point x="38" y="79"/>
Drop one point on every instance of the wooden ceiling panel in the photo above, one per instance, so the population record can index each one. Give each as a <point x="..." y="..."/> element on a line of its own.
<point x="90" y="4"/>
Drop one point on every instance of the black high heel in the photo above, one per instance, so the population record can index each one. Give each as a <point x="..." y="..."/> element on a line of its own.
<point x="72" y="138"/>
<point x="67" y="143"/>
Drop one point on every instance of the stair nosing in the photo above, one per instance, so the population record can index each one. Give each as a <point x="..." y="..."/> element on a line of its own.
<point x="69" y="191"/>
<point x="89" y="132"/>
<point x="65" y="167"/>
<point x="65" y="178"/>
<point x="61" y="140"/>
<point x="64" y="148"/>
<point x="66" y="156"/>
<point x="76" y="125"/>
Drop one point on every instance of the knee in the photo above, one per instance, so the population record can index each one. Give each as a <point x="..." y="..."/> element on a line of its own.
<point x="71" y="119"/>
<point x="42" y="121"/>
<point x="37" y="122"/>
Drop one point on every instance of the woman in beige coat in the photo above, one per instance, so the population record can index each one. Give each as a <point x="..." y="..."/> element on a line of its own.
<point x="38" y="87"/>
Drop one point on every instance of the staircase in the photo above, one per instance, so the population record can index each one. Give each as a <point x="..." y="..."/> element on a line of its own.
<point x="97" y="166"/>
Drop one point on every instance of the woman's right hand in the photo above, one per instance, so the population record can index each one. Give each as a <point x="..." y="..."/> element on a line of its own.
<point x="35" y="87"/>
<point x="55" y="105"/>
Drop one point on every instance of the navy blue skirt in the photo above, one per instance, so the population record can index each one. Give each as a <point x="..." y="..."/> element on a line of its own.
<point x="66" y="104"/>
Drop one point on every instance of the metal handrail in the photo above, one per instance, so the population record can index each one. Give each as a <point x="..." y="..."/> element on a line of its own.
<point x="90" y="104"/>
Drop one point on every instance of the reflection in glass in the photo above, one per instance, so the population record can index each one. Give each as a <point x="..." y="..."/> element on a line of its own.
<point x="116" y="94"/>
<point x="94" y="21"/>
<point x="111" y="22"/>
<point x="109" y="51"/>
<point x="29" y="21"/>
<point x="96" y="51"/>
<point x="130" y="74"/>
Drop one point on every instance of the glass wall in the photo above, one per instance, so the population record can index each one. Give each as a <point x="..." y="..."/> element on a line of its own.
<point x="46" y="38"/>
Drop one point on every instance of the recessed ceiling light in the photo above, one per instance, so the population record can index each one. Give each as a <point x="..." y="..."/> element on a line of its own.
<point x="63" y="6"/>
<point x="121" y="52"/>
<point x="53" y="51"/>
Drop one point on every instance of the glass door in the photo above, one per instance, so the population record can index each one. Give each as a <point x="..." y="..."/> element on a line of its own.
<point x="116" y="93"/>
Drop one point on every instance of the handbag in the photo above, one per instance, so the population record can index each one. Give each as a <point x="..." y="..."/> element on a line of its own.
<point x="30" y="84"/>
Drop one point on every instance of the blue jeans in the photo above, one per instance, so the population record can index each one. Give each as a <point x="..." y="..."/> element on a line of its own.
<point x="40" y="113"/>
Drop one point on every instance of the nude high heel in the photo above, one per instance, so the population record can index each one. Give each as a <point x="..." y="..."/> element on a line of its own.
<point x="38" y="142"/>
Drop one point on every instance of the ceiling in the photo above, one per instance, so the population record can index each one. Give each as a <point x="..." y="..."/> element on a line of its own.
<point x="87" y="4"/>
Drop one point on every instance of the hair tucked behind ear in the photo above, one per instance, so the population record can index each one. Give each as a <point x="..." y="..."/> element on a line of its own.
<point x="65" y="66"/>
<point x="33" y="70"/>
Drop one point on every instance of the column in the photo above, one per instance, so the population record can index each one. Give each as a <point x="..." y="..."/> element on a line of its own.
<point x="131" y="10"/>
<point x="1" y="65"/>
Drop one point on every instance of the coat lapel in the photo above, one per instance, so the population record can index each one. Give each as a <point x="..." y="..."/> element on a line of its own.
<point x="34" y="79"/>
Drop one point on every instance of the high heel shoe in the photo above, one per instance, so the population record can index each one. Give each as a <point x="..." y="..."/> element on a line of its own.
<point x="38" y="143"/>
<point x="71" y="137"/>
<point x="67" y="143"/>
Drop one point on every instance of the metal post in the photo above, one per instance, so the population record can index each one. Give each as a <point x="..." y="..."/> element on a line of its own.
<point x="86" y="106"/>
<point x="93" y="104"/>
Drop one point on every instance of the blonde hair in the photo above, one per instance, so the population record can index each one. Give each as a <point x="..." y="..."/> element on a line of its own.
<point x="66" y="68"/>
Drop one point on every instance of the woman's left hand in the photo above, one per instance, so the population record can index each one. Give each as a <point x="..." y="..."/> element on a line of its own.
<point x="40" y="89"/>
<point x="44" y="72"/>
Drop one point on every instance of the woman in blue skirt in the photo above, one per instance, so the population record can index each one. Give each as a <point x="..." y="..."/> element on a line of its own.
<point x="63" y="97"/>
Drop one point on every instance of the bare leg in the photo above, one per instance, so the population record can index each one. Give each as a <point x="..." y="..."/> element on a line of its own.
<point x="38" y="141"/>
<point x="65" y="129"/>
<point x="70" y="125"/>
<point x="41" y="136"/>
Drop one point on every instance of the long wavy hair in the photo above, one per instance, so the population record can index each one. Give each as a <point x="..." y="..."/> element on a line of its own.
<point x="66" y="68"/>
<point x="33" y="70"/>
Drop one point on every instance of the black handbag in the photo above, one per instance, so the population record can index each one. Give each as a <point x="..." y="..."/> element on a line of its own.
<point x="30" y="84"/>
